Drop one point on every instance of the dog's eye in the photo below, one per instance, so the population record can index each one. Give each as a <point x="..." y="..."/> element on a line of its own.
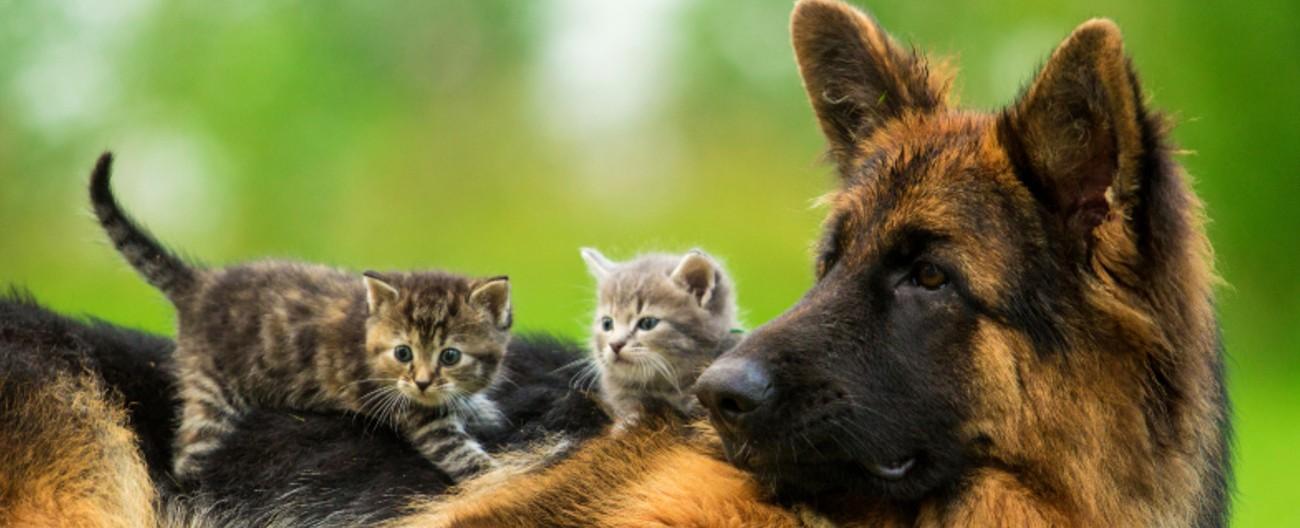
<point x="606" y="324"/>
<point x="928" y="276"/>
<point x="824" y="264"/>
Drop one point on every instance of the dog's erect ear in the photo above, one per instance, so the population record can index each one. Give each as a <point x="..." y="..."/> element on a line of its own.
<point x="379" y="292"/>
<point x="856" y="76"/>
<point x="697" y="274"/>
<point x="493" y="296"/>
<point x="1076" y="130"/>
<point x="597" y="264"/>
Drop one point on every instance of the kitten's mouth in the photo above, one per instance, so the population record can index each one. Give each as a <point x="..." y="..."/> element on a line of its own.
<point x="639" y="369"/>
<point x="430" y="398"/>
<point x="625" y="363"/>
<point x="628" y="356"/>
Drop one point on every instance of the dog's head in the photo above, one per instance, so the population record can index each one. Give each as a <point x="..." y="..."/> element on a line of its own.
<point x="964" y="251"/>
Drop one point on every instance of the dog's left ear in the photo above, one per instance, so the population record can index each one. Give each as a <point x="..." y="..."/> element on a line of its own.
<point x="856" y="76"/>
<point x="1076" y="132"/>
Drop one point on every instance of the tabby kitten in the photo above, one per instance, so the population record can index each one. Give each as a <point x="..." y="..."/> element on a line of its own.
<point x="408" y="349"/>
<point x="660" y="320"/>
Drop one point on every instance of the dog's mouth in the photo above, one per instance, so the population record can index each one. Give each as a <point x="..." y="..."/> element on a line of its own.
<point x="901" y="479"/>
<point x="895" y="470"/>
<point x="822" y="470"/>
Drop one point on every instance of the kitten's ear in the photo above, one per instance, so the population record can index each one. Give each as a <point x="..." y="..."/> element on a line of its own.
<point x="698" y="274"/>
<point x="597" y="264"/>
<point x="378" y="291"/>
<point x="493" y="296"/>
<point x="1077" y="132"/>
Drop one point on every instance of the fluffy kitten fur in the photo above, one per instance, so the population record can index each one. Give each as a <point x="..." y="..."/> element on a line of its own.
<point x="660" y="320"/>
<point x="408" y="349"/>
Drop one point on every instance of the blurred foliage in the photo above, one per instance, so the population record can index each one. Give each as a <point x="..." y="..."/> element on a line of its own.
<point x="498" y="137"/>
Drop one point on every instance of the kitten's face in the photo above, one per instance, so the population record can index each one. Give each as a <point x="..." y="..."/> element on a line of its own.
<point x="436" y="337"/>
<point x="659" y="319"/>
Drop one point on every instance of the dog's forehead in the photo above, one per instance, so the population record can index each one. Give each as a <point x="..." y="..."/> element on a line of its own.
<point x="946" y="176"/>
<point x="935" y="173"/>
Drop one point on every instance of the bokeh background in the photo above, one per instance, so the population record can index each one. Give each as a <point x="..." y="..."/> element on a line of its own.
<point x="497" y="137"/>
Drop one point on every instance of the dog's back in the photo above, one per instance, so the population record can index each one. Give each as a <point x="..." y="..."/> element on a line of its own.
<point x="68" y="453"/>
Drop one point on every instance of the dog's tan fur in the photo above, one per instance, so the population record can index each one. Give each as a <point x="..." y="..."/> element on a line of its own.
<point x="645" y="477"/>
<point x="68" y="458"/>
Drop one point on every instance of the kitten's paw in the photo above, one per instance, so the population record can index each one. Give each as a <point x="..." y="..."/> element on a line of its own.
<point x="624" y="424"/>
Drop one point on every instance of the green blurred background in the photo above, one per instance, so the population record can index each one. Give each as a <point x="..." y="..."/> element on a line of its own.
<point x="498" y="137"/>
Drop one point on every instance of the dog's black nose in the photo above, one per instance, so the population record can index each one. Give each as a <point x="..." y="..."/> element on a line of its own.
<point x="734" y="388"/>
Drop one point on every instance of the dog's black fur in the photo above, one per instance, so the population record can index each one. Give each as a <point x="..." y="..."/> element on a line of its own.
<point x="42" y="343"/>
<point x="305" y="467"/>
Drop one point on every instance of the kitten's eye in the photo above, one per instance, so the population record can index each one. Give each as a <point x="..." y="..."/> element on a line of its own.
<point x="647" y="323"/>
<point x="449" y="357"/>
<point x="403" y="353"/>
<point x="606" y="324"/>
<point x="928" y="276"/>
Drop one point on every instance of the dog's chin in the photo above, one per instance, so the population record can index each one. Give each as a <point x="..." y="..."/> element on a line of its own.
<point x="807" y="481"/>
<point x="811" y="476"/>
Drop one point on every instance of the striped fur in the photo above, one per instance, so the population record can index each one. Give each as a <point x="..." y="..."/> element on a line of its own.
<point x="443" y="440"/>
<point x="162" y="268"/>
<point x="287" y="335"/>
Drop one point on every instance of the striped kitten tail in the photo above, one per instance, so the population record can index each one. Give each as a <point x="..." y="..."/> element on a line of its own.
<point x="159" y="266"/>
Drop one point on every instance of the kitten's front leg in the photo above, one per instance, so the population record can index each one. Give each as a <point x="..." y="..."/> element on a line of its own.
<point x="625" y="408"/>
<point x="208" y="412"/>
<point x="482" y="414"/>
<point x="444" y="442"/>
<point x="625" y="423"/>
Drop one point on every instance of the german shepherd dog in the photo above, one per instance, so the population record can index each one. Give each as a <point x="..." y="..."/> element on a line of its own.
<point x="1012" y="320"/>
<point x="1012" y="324"/>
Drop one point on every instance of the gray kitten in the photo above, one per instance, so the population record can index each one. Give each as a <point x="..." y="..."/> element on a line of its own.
<point x="660" y="320"/>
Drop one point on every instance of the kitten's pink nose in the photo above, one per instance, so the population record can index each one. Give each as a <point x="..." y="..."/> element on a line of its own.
<point x="423" y="384"/>
<point x="616" y="346"/>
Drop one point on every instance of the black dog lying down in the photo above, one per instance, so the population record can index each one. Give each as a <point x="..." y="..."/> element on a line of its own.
<point x="299" y="468"/>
